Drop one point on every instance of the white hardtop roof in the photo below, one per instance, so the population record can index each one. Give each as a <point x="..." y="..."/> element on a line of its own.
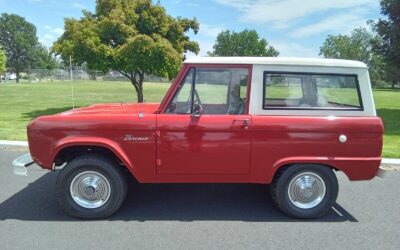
<point x="277" y="61"/>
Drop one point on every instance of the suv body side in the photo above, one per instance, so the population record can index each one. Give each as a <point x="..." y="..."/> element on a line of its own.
<point x="248" y="147"/>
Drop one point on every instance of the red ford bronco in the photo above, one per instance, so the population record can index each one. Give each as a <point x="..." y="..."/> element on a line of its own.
<point x="291" y="123"/>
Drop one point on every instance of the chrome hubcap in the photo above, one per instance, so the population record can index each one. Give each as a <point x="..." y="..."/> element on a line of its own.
<point x="90" y="189"/>
<point x="306" y="190"/>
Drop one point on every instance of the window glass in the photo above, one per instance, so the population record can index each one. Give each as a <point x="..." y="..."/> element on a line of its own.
<point x="243" y="84"/>
<point x="311" y="91"/>
<point x="216" y="91"/>
<point x="182" y="101"/>
<point x="339" y="90"/>
<point x="212" y="85"/>
<point x="284" y="87"/>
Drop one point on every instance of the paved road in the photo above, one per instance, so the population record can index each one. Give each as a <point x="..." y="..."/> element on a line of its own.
<point x="366" y="216"/>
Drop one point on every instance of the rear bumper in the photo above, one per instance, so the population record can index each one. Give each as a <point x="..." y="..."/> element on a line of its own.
<point x="21" y="163"/>
<point x="381" y="172"/>
<point x="388" y="165"/>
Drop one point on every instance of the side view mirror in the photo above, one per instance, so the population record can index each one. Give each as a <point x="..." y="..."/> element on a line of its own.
<point x="197" y="110"/>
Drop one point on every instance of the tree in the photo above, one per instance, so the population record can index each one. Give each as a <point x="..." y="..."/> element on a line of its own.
<point x="3" y="60"/>
<point x="44" y="58"/>
<point x="245" y="43"/>
<point x="134" y="37"/>
<point x="358" y="46"/>
<point x="18" y="38"/>
<point x="45" y="61"/>
<point x="389" y="32"/>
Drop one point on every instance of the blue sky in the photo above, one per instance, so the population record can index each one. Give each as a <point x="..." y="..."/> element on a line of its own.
<point x="295" y="28"/>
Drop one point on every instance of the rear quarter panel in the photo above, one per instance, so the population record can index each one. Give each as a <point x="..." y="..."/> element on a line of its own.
<point x="283" y="140"/>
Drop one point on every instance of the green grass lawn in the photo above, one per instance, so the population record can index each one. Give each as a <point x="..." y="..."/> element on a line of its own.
<point x="388" y="107"/>
<point x="20" y="103"/>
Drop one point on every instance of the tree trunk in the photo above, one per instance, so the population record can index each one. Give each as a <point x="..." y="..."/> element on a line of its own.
<point x="17" y="79"/>
<point x="393" y="83"/>
<point x="136" y="83"/>
<point x="140" y="93"/>
<point x="139" y="89"/>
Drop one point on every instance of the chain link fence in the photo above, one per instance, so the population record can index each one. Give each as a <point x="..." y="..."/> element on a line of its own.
<point x="57" y="75"/>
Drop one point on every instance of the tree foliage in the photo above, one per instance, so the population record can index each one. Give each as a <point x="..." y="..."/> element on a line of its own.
<point x="3" y="60"/>
<point x="244" y="43"/>
<point x="389" y="32"/>
<point x="134" y="37"/>
<point x="357" y="46"/>
<point x="44" y="59"/>
<point x="18" y="38"/>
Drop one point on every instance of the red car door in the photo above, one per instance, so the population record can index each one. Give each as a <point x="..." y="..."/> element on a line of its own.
<point x="205" y="130"/>
<point x="209" y="144"/>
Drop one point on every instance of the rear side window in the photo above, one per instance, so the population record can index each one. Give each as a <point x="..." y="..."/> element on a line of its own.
<point x="311" y="91"/>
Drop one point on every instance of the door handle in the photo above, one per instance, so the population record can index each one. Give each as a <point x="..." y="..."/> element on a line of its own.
<point x="245" y="122"/>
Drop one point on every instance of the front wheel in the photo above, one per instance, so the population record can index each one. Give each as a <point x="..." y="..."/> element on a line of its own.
<point x="91" y="187"/>
<point x="305" y="191"/>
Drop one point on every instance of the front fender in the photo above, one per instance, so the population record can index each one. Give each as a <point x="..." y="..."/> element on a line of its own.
<point x="92" y="141"/>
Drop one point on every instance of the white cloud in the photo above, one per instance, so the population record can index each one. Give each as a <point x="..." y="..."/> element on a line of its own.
<point x="58" y="31"/>
<point x="278" y="12"/>
<point x="206" y="46"/>
<point x="292" y="49"/>
<point x="210" y="30"/>
<point x="335" y="24"/>
<point x="51" y="35"/>
<point x="209" y="33"/>
<point x="47" y="40"/>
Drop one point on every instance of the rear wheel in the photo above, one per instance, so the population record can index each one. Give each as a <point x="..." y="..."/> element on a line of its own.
<point x="91" y="187"/>
<point x="305" y="191"/>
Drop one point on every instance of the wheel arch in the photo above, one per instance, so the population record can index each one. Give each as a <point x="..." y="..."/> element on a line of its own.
<point x="288" y="162"/>
<point x="68" y="148"/>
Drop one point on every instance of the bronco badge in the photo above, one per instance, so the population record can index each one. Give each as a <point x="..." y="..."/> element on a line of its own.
<point x="133" y="138"/>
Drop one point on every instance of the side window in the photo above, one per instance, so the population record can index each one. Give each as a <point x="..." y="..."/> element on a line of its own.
<point x="337" y="90"/>
<point x="212" y="88"/>
<point x="283" y="90"/>
<point x="182" y="101"/>
<point x="311" y="91"/>
<point x="216" y="91"/>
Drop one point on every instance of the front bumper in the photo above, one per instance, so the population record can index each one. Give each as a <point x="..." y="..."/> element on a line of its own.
<point x="21" y="163"/>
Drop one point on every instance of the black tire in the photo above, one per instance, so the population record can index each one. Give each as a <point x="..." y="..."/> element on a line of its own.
<point x="112" y="178"/>
<point x="295" y="208"/>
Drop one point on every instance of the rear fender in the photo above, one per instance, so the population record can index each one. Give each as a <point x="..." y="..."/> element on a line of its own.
<point x="355" y="168"/>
